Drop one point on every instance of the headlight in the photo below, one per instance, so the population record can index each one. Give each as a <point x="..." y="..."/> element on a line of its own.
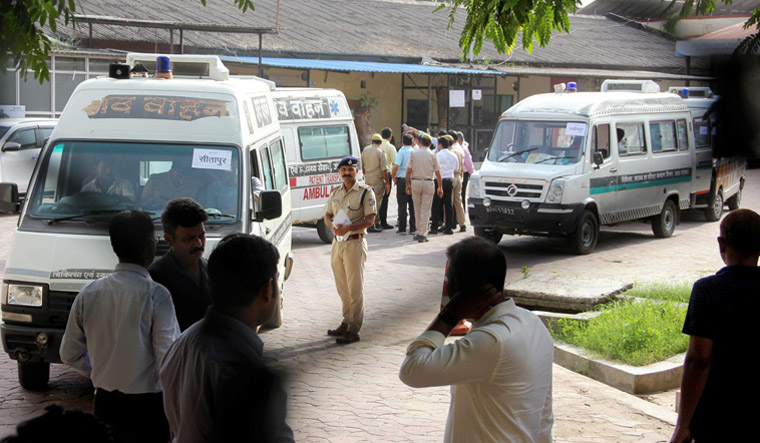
<point x="24" y="295"/>
<point x="473" y="187"/>
<point x="555" y="190"/>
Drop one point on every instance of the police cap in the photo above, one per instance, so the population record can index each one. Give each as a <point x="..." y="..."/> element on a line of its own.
<point x="348" y="161"/>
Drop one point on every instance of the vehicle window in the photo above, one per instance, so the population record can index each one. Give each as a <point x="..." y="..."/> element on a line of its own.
<point x="663" y="135"/>
<point x="3" y="130"/>
<point x="95" y="180"/>
<point x="702" y="133"/>
<point x="630" y="138"/>
<point x="266" y="168"/>
<point x="539" y="142"/>
<point x="683" y="137"/>
<point x="324" y="142"/>
<point x="45" y="134"/>
<point x="278" y="163"/>
<point x="25" y="137"/>
<point x="600" y="140"/>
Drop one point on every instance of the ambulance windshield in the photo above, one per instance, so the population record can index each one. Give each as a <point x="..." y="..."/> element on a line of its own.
<point x="538" y="142"/>
<point x="93" y="180"/>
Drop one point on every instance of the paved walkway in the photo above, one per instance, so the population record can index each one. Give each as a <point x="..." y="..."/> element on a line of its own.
<point x="353" y="394"/>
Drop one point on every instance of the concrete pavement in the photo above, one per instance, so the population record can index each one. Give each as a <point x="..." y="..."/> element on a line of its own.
<point x="353" y="394"/>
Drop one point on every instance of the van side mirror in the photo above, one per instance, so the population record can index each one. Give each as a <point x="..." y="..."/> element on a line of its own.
<point x="9" y="201"/>
<point x="11" y="146"/>
<point x="269" y="205"/>
<point x="598" y="158"/>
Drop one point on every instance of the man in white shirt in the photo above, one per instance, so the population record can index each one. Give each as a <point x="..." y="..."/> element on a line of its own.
<point x="119" y="328"/>
<point x="501" y="371"/>
<point x="442" y="206"/>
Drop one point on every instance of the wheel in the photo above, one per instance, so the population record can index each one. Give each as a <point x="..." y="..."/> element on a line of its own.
<point x="715" y="209"/>
<point x="33" y="375"/>
<point x="325" y="234"/>
<point x="583" y="239"/>
<point x="735" y="200"/>
<point x="664" y="224"/>
<point x="276" y="320"/>
<point x="489" y="234"/>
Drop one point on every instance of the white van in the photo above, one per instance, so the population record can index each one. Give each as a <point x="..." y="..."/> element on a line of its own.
<point x="562" y="164"/>
<point x="214" y="133"/>
<point x="718" y="181"/>
<point x="318" y="129"/>
<point x="20" y="142"/>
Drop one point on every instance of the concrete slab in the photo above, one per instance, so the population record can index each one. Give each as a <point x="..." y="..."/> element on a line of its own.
<point x="564" y="293"/>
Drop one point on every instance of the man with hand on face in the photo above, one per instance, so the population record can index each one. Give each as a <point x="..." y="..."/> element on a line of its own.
<point x="183" y="270"/>
<point x="501" y="371"/>
<point x="355" y="203"/>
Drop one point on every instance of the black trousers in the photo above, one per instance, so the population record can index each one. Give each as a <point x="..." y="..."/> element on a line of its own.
<point x="404" y="202"/>
<point x="132" y="417"/>
<point x="442" y="207"/>
<point x="465" y="179"/>
<point x="383" y="211"/>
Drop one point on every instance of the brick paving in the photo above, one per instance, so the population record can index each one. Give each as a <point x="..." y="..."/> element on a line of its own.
<point x="353" y="394"/>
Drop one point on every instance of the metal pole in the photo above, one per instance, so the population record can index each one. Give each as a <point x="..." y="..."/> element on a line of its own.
<point x="261" y="68"/>
<point x="430" y="91"/>
<point x="403" y="84"/>
<point x="90" y="39"/>
<point x="181" y="42"/>
<point x="171" y="41"/>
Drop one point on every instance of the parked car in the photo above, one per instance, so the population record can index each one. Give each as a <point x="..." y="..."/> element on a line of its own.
<point x="21" y="140"/>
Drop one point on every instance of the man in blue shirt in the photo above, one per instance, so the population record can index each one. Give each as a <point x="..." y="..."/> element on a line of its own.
<point x="399" y="178"/>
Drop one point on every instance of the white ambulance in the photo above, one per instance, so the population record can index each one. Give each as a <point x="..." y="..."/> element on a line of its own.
<point x="718" y="181"/>
<point x="318" y="129"/>
<point x="210" y="133"/>
<point x="562" y="164"/>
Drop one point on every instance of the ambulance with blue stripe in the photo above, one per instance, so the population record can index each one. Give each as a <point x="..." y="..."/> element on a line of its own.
<point x="565" y="163"/>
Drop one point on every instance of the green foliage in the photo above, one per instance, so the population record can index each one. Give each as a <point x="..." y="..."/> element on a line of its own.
<point x="636" y="333"/>
<point x="499" y="21"/>
<point x="525" y="271"/>
<point x="365" y="101"/>
<point x="671" y="291"/>
<point x="22" y="40"/>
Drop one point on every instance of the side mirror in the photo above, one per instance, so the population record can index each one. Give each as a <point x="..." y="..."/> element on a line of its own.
<point x="269" y="205"/>
<point x="598" y="158"/>
<point x="9" y="201"/>
<point x="11" y="146"/>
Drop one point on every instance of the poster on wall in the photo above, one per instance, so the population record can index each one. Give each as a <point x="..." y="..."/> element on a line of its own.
<point x="456" y="98"/>
<point x="12" y="111"/>
<point x="477" y="94"/>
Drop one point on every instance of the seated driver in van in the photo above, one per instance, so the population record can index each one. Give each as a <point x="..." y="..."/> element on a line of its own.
<point x="108" y="182"/>
<point x="175" y="183"/>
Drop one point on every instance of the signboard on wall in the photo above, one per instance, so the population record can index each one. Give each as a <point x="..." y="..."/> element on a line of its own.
<point x="456" y="98"/>
<point x="12" y="111"/>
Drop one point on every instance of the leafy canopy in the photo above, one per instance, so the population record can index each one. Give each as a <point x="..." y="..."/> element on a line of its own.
<point x="22" y="39"/>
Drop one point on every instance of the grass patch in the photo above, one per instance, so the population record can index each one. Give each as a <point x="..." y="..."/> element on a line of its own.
<point x="635" y="333"/>
<point x="678" y="292"/>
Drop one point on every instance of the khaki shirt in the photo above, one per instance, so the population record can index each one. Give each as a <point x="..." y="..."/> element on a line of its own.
<point x="389" y="150"/>
<point x="374" y="162"/>
<point x="350" y="202"/>
<point x="423" y="163"/>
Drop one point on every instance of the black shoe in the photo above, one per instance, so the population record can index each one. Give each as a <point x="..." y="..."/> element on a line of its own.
<point x="386" y="226"/>
<point x="347" y="338"/>
<point x="433" y="232"/>
<point x="416" y="237"/>
<point x="374" y="229"/>
<point x="422" y="239"/>
<point x="401" y="232"/>
<point x="463" y="228"/>
<point x="448" y="232"/>
<point x="339" y="331"/>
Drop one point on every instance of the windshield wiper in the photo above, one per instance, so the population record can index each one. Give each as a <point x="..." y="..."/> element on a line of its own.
<point x="555" y="157"/>
<point x="516" y="153"/>
<point x="84" y="214"/>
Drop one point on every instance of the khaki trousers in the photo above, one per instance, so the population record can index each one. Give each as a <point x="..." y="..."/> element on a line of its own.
<point x="378" y="185"/>
<point x="422" y="197"/>
<point x="457" y="200"/>
<point x="347" y="262"/>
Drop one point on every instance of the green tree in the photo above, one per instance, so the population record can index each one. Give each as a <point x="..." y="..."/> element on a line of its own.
<point x="22" y="38"/>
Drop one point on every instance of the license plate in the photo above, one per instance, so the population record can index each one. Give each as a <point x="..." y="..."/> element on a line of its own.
<point x="500" y="210"/>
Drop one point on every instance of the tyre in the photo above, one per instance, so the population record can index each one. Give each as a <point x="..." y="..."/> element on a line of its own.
<point x="33" y="375"/>
<point x="735" y="200"/>
<point x="489" y="234"/>
<point x="664" y="224"/>
<point x="325" y="234"/>
<point x="583" y="239"/>
<point x="714" y="210"/>
<point x="276" y="320"/>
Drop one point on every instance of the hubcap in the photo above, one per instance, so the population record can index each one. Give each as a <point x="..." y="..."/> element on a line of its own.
<point x="718" y="208"/>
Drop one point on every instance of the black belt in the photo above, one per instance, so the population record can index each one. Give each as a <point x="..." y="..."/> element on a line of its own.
<point x="354" y="237"/>
<point x="423" y="179"/>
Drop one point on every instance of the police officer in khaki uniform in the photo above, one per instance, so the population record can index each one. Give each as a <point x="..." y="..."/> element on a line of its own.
<point x="356" y="202"/>
<point x="421" y="169"/>
<point x="375" y="167"/>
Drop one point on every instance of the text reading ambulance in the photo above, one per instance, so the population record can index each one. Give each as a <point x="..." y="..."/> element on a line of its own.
<point x="562" y="164"/>
<point x="318" y="129"/>
<point x="202" y="135"/>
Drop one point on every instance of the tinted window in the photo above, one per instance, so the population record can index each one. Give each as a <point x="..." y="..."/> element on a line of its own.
<point x="324" y="142"/>
<point x="539" y="142"/>
<point x="278" y="163"/>
<point x="702" y="133"/>
<point x="25" y="137"/>
<point x="266" y="168"/>
<point x="683" y="137"/>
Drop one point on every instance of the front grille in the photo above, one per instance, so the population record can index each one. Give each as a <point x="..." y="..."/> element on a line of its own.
<point x="60" y="301"/>
<point x="526" y="190"/>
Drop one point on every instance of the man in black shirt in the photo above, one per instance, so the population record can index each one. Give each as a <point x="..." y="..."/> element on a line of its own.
<point x="183" y="270"/>
<point x="718" y="375"/>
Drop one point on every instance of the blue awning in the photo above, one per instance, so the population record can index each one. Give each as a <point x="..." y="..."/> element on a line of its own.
<point x="353" y="66"/>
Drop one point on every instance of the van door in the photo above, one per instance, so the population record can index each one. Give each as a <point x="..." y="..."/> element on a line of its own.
<point x="271" y="161"/>
<point x="704" y="159"/>
<point x="634" y="190"/>
<point x="603" y="180"/>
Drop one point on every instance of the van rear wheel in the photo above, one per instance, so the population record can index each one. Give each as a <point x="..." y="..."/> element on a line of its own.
<point x="325" y="234"/>
<point x="735" y="200"/>
<point x="33" y="375"/>
<point x="715" y="209"/>
<point x="664" y="224"/>
<point x="276" y="320"/>
<point x="583" y="240"/>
